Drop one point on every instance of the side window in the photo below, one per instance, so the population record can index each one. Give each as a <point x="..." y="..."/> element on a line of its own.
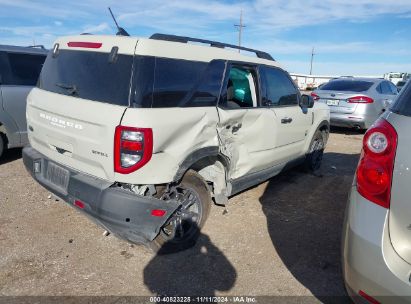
<point x="161" y="82"/>
<point x="208" y="90"/>
<point x="143" y="82"/>
<point x="394" y="89"/>
<point x="241" y="89"/>
<point x="5" y="75"/>
<point x="379" y="89"/>
<point x="279" y="89"/>
<point x="174" y="79"/>
<point x="25" y="68"/>
<point x="385" y="88"/>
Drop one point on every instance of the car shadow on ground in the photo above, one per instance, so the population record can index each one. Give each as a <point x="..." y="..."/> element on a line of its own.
<point x="305" y="217"/>
<point x="10" y="155"/>
<point x="347" y="131"/>
<point x="200" y="271"/>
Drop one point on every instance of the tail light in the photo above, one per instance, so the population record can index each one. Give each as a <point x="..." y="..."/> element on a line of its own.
<point x="374" y="172"/>
<point x="360" y="99"/>
<point x="315" y="96"/>
<point x="367" y="297"/>
<point x="158" y="212"/>
<point x="79" y="204"/>
<point x="133" y="148"/>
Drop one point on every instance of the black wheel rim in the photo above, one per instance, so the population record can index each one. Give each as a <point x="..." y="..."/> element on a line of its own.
<point x="184" y="223"/>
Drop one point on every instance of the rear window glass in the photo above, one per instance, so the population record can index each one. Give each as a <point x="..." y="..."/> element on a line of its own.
<point x="347" y="85"/>
<point x="88" y="75"/>
<point x="20" y="68"/>
<point x="402" y="104"/>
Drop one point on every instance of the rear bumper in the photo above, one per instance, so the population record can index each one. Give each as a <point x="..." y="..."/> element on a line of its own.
<point x="351" y="120"/>
<point x="370" y="263"/>
<point x="119" y="211"/>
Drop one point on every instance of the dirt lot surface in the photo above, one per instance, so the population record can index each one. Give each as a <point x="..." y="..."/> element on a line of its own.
<point x="281" y="238"/>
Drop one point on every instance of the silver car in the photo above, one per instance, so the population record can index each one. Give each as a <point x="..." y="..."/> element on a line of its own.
<point x="19" y="71"/>
<point x="377" y="227"/>
<point x="356" y="102"/>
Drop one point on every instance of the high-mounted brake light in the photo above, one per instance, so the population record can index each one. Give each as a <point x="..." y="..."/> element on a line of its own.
<point x="315" y="96"/>
<point x="360" y="99"/>
<point x="82" y="44"/>
<point x="133" y="148"/>
<point x="374" y="171"/>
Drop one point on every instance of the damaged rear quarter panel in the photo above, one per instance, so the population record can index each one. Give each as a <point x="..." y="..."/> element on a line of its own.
<point x="177" y="132"/>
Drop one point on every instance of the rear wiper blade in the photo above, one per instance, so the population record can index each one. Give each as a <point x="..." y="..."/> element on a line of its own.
<point x="71" y="89"/>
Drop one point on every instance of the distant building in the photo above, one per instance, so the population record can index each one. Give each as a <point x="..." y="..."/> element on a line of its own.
<point x="395" y="77"/>
<point x="310" y="82"/>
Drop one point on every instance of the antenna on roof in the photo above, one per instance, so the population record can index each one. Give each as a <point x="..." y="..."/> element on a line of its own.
<point x="120" y="30"/>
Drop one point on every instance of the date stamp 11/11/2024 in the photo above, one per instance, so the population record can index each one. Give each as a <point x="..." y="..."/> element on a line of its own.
<point x="203" y="299"/>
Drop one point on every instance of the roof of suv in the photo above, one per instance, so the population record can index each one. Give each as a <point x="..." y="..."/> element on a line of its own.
<point x="167" y="48"/>
<point x="24" y="49"/>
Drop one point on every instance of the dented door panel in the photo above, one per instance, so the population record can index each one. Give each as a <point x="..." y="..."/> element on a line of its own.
<point x="248" y="138"/>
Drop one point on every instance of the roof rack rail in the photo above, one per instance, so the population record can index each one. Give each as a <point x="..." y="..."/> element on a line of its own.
<point x="183" y="39"/>
<point x="40" y="46"/>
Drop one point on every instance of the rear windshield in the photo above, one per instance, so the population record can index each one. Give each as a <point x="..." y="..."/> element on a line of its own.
<point x="347" y="85"/>
<point x="88" y="75"/>
<point x="402" y="104"/>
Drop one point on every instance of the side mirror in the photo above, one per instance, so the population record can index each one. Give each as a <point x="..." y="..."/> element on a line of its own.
<point x="306" y="101"/>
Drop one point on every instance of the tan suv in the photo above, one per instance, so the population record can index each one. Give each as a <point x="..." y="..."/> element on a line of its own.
<point x="142" y="134"/>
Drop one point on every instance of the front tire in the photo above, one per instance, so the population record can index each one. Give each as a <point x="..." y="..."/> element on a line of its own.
<point x="315" y="153"/>
<point x="183" y="228"/>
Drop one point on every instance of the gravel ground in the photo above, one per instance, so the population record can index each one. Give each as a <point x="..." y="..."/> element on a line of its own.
<point x="281" y="238"/>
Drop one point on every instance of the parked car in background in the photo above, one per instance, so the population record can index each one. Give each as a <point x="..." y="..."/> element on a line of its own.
<point x="19" y="71"/>
<point x="356" y="102"/>
<point x="141" y="134"/>
<point x="377" y="227"/>
<point x="401" y="84"/>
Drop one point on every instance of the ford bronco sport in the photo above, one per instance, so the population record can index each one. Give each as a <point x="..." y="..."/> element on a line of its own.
<point x="19" y="70"/>
<point x="142" y="134"/>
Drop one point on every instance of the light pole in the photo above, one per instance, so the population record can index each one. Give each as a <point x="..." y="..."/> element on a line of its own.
<point x="312" y="59"/>
<point x="240" y="29"/>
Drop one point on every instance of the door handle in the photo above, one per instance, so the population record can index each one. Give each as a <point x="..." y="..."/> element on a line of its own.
<point x="286" y="120"/>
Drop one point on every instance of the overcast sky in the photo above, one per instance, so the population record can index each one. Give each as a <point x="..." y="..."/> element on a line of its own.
<point x="350" y="37"/>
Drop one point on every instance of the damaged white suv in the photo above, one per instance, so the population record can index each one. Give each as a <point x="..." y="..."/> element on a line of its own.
<point x="142" y="134"/>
